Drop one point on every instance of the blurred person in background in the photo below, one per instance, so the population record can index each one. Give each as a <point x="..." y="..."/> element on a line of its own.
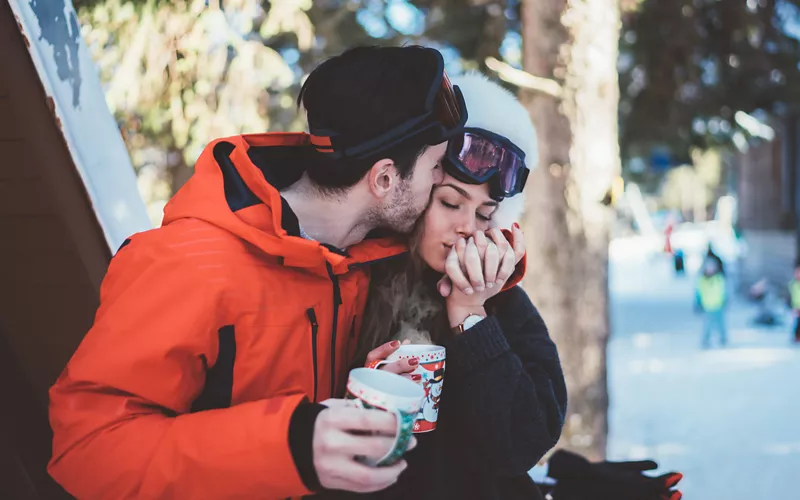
<point x="710" y="299"/>
<point x="794" y="301"/>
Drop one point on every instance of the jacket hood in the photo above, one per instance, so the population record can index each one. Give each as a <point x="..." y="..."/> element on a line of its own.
<point x="493" y="108"/>
<point x="236" y="186"/>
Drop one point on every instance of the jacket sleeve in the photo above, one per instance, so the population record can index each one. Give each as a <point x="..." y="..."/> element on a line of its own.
<point x="121" y="409"/>
<point x="505" y="384"/>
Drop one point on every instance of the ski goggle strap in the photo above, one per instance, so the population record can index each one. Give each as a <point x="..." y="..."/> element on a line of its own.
<point x="479" y="156"/>
<point x="448" y="105"/>
<point x="444" y="117"/>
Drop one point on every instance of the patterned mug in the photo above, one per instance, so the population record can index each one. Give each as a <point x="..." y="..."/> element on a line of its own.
<point x="374" y="389"/>
<point x="429" y="374"/>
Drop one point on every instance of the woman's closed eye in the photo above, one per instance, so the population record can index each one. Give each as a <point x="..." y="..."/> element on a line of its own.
<point x="452" y="206"/>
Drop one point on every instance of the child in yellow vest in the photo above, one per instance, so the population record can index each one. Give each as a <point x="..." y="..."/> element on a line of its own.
<point x="794" y="298"/>
<point x="711" y="297"/>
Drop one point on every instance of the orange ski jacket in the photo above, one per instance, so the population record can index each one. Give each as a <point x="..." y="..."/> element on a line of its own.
<point x="211" y="330"/>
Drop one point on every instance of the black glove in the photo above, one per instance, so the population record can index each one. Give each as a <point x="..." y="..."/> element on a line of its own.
<point x="579" y="479"/>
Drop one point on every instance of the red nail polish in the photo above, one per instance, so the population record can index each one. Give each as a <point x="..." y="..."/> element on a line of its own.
<point x="413" y="361"/>
<point x="516" y="226"/>
<point x="674" y="479"/>
<point x="416" y="377"/>
<point x="395" y="343"/>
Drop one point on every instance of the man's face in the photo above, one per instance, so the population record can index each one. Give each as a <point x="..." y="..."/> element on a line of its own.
<point x="412" y="195"/>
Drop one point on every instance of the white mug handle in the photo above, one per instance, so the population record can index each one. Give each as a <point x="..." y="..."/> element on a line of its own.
<point x="377" y="364"/>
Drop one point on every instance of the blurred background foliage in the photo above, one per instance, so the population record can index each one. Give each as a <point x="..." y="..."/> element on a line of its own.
<point x="180" y="72"/>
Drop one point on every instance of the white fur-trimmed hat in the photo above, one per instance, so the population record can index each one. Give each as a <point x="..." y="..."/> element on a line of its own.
<point x="492" y="107"/>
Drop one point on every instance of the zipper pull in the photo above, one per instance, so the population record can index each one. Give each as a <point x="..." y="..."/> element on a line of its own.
<point x="312" y="317"/>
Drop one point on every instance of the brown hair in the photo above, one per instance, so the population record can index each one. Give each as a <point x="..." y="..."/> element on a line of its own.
<point x="402" y="304"/>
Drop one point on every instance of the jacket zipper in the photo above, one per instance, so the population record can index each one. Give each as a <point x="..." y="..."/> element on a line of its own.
<point x="337" y="301"/>
<point x="348" y="361"/>
<point x="312" y="318"/>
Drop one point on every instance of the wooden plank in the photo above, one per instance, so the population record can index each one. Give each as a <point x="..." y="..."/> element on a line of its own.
<point x="3" y="84"/>
<point x="47" y="268"/>
<point x="24" y="197"/>
<point x="29" y="233"/>
<point x="53" y="301"/>
<point x="15" y="160"/>
<point x="9" y="37"/>
<point x="25" y="436"/>
<point x="9" y="125"/>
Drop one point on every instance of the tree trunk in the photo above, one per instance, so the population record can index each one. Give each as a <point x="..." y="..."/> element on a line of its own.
<point x="494" y="30"/>
<point x="178" y="171"/>
<point x="567" y="227"/>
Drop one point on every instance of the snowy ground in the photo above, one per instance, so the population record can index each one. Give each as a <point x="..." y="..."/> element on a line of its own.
<point x="729" y="419"/>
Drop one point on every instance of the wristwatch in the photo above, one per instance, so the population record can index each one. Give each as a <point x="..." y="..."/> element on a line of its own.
<point x="469" y="322"/>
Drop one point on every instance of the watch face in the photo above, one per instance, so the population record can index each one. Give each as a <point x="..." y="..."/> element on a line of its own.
<point x="472" y="320"/>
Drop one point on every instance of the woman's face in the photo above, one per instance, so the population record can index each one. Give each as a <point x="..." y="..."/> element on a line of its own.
<point x="456" y="210"/>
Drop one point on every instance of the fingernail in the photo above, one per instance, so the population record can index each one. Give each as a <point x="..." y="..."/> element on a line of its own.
<point x="479" y="288"/>
<point x="416" y="377"/>
<point x="413" y="361"/>
<point x="395" y="343"/>
<point x="515" y="225"/>
<point x="468" y="291"/>
<point x="489" y="285"/>
<point x="674" y="479"/>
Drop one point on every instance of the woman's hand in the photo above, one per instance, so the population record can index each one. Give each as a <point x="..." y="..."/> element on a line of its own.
<point x="402" y="367"/>
<point x="484" y="262"/>
<point x="478" y="269"/>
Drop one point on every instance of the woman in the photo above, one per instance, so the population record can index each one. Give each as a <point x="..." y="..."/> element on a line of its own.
<point x="504" y="397"/>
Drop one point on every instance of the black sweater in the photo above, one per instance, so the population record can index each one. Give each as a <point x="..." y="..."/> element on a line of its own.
<point x="502" y="408"/>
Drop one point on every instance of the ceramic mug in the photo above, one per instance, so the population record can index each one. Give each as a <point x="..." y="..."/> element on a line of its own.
<point x="429" y="374"/>
<point x="375" y="389"/>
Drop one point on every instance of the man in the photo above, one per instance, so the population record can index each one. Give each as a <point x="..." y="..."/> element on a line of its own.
<point x="217" y="330"/>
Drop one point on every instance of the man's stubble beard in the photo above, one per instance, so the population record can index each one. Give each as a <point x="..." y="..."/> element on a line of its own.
<point x="402" y="214"/>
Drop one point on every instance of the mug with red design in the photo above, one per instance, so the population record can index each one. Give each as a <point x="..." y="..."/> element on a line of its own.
<point x="429" y="374"/>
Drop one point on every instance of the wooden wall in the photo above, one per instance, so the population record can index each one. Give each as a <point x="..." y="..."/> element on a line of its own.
<point x="52" y="259"/>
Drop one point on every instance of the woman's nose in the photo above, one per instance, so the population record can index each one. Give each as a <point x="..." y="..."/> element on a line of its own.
<point x="465" y="227"/>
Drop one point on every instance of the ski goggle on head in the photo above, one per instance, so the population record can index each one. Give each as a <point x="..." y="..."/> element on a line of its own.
<point x="478" y="156"/>
<point x="444" y="117"/>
